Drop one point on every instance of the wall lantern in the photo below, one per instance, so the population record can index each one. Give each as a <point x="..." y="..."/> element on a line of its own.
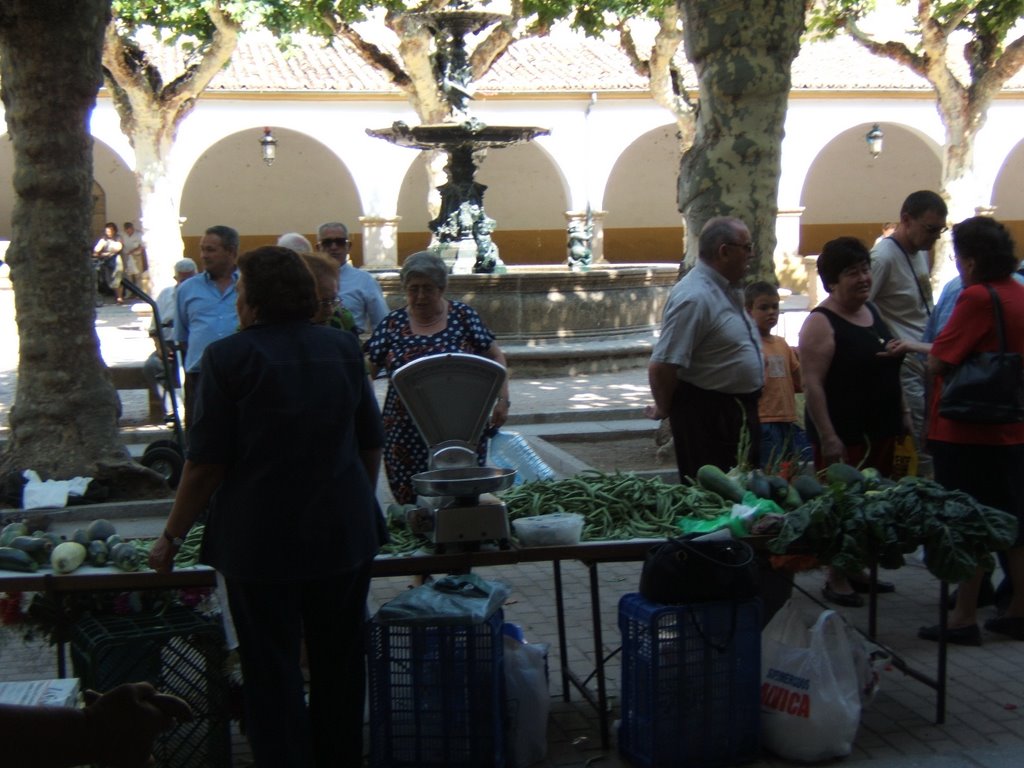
<point x="268" y="147"/>
<point x="874" y="140"/>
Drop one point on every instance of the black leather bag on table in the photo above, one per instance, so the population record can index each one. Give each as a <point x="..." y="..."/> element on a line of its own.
<point x="987" y="387"/>
<point x="682" y="571"/>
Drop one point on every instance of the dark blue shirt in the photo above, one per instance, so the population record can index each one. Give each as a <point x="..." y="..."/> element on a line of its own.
<point x="287" y="409"/>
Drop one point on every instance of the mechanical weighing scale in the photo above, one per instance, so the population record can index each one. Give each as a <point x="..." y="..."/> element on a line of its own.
<point x="449" y="398"/>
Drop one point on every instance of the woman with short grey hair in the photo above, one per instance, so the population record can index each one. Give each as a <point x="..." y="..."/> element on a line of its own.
<point x="429" y="324"/>
<point x="425" y="264"/>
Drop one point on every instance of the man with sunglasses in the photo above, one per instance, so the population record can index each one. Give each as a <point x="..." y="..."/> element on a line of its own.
<point x="901" y="287"/>
<point x="359" y="292"/>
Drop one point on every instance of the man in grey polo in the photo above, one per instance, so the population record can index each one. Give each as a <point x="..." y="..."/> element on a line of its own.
<point x="901" y="288"/>
<point x="706" y="371"/>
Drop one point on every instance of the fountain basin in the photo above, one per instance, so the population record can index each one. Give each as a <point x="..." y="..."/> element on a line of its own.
<point x="552" y="322"/>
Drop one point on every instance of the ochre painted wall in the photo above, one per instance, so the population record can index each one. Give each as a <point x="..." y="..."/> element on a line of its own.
<point x="814" y="236"/>
<point x="621" y="246"/>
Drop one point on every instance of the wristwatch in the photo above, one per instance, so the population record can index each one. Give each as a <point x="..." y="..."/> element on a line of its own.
<point x="176" y="541"/>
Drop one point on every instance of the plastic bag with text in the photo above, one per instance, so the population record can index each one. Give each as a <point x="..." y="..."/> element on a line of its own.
<point x="810" y="688"/>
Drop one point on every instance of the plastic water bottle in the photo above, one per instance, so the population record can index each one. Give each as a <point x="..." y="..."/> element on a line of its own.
<point x="510" y="450"/>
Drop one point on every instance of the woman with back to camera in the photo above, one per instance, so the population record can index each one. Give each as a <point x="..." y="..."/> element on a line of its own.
<point x="285" y="450"/>
<point x="429" y="324"/>
<point x="851" y="378"/>
<point x="985" y="461"/>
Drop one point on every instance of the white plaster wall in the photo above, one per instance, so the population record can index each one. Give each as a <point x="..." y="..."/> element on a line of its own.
<point x="621" y="158"/>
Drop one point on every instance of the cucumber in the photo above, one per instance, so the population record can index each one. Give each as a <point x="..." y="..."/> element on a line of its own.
<point x="67" y="557"/>
<point x="711" y="478"/>
<point x="12" y="559"/>
<point x="99" y="529"/>
<point x="844" y="473"/>
<point x="12" y="531"/>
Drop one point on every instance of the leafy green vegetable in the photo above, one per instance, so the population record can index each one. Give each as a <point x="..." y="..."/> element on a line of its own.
<point x="848" y="530"/>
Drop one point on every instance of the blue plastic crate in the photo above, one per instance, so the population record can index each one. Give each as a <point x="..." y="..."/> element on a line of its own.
<point x="691" y="679"/>
<point x="437" y="695"/>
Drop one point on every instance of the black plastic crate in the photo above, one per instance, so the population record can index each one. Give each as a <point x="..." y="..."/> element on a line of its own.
<point x="437" y="695"/>
<point x="691" y="680"/>
<point x="179" y="652"/>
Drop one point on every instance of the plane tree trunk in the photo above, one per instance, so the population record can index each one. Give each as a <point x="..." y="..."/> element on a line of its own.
<point x="64" y="419"/>
<point x="742" y="52"/>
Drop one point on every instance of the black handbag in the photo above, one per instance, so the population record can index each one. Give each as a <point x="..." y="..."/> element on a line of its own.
<point x="987" y="387"/>
<point x="681" y="571"/>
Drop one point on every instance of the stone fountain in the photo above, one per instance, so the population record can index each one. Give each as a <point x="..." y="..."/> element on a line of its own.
<point x="462" y="230"/>
<point x="549" y="320"/>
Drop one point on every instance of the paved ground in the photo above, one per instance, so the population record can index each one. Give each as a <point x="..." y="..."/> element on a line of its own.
<point x="985" y="722"/>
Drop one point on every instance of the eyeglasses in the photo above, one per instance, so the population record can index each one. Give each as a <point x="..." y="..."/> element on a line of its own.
<point x="327" y="242"/>
<point x="330" y="303"/>
<point x="936" y="229"/>
<point x="748" y="247"/>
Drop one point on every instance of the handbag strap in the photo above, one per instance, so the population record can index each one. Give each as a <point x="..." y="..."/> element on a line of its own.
<point x="737" y="546"/>
<point x="997" y="312"/>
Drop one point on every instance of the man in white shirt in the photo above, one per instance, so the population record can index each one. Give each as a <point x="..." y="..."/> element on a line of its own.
<point x="359" y="291"/>
<point x="706" y="372"/>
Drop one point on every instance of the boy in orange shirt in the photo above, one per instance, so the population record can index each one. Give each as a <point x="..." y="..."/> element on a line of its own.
<point x="781" y="436"/>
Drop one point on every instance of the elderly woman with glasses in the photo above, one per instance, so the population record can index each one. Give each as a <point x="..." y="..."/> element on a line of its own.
<point x="329" y="310"/>
<point x="429" y="324"/>
<point x="851" y="378"/>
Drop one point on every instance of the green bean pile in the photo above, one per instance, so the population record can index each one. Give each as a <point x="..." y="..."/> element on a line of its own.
<point x="187" y="555"/>
<point x="616" y="506"/>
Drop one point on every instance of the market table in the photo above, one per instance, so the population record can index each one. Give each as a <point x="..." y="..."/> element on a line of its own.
<point x="591" y="554"/>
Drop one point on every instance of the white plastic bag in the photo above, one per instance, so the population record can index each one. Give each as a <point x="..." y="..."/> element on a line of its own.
<point x="810" y="691"/>
<point x="526" y="692"/>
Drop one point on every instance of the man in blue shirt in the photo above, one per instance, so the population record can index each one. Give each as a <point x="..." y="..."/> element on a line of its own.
<point x="206" y="304"/>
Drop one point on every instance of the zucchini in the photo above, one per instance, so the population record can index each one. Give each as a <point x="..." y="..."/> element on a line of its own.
<point x="807" y="486"/>
<point x="39" y="548"/>
<point x="67" y="557"/>
<point x="758" y="485"/>
<point x="779" y="488"/>
<point x="711" y="478"/>
<point x="12" y="559"/>
<point x="12" y="531"/>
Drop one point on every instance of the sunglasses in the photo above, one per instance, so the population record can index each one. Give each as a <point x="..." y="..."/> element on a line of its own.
<point x="327" y="242"/>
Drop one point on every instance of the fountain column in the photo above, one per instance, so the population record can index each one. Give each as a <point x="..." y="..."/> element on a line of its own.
<point x="380" y="241"/>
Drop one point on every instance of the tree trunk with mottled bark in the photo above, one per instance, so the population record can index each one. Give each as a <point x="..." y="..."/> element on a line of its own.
<point x="742" y="51"/>
<point x="64" y="419"/>
<point x="151" y="111"/>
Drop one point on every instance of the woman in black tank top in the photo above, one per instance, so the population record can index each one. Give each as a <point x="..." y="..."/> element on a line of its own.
<point x="851" y="378"/>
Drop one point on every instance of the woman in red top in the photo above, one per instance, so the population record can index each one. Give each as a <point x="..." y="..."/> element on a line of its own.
<point x="983" y="460"/>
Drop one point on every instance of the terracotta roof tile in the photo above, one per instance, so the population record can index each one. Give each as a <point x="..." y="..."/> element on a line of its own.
<point x="566" y="63"/>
